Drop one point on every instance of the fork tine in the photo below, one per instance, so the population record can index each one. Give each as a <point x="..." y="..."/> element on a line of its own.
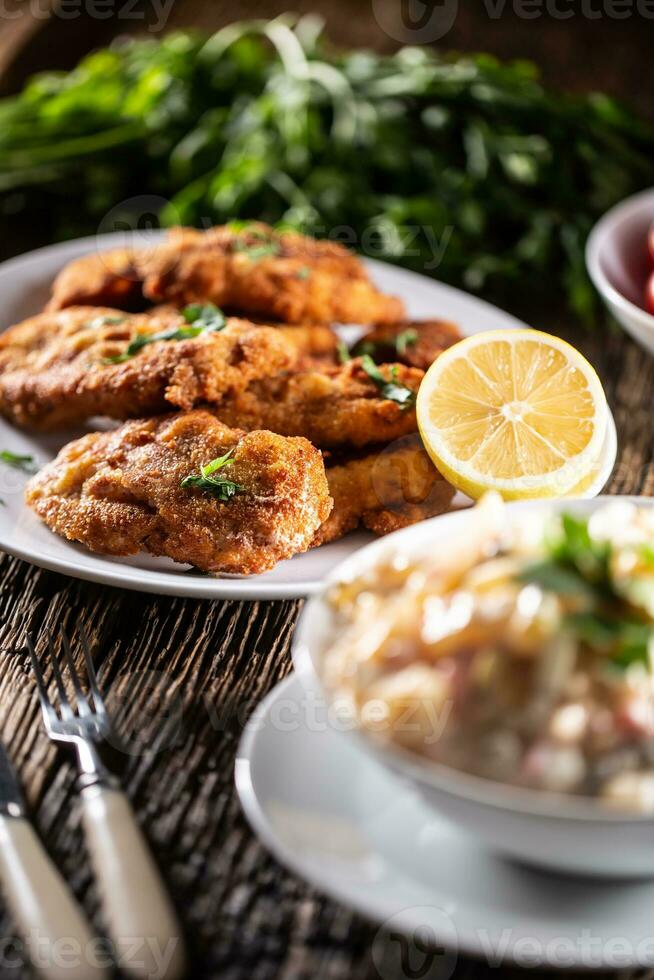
<point x="49" y="713"/>
<point x="93" y="680"/>
<point x="66" y="710"/>
<point x="82" y="704"/>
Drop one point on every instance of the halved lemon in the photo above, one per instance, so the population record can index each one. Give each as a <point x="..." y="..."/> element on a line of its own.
<point x="517" y="411"/>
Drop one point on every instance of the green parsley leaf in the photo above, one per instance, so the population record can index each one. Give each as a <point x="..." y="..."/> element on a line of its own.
<point x="578" y="567"/>
<point x="238" y="224"/>
<point x="646" y="554"/>
<point x="221" y="488"/>
<point x="633" y="644"/>
<point x="218" y="486"/>
<point x="104" y="321"/>
<point x="116" y="359"/>
<point x="598" y="633"/>
<point x="365" y="347"/>
<point x="257" y="252"/>
<point x="24" y="463"/>
<point x="200" y="319"/>
<point x="554" y="576"/>
<point x="343" y="352"/>
<point x="381" y="350"/>
<point x="207" y="316"/>
<point x="405" y="339"/>
<point x="218" y="463"/>
<point x="574" y="546"/>
<point x="393" y="390"/>
<point x="625" y="641"/>
<point x="303" y="273"/>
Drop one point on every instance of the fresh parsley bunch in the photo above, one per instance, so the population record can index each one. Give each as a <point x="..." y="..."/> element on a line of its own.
<point x="463" y="167"/>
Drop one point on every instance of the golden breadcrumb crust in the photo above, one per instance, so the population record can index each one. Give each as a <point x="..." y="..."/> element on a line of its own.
<point x="416" y="343"/>
<point x="335" y="407"/>
<point x="54" y="367"/>
<point x="120" y="492"/>
<point x="253" y="270"/>
<point x="384" y="490"/>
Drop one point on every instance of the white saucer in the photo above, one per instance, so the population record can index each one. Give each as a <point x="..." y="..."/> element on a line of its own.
<point x="333" y="816"/>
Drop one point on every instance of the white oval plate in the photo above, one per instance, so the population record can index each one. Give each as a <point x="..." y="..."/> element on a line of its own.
<point x="24" y="288"/>
<point x="345" y="824"/>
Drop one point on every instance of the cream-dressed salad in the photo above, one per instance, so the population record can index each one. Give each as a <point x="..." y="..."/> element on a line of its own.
<point x="522" y="653"/>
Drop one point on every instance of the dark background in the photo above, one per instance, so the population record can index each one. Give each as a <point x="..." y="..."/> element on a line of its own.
<point x="590" y="50"/>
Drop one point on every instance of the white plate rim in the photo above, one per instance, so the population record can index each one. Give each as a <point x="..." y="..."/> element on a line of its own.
<point x="597" y="238"/>
<point x="374" y="906"/>
<point x="101" y="570"/>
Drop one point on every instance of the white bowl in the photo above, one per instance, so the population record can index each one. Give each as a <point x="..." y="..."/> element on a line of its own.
<point x="617" y="258"/>
<point x="570" y="834"/>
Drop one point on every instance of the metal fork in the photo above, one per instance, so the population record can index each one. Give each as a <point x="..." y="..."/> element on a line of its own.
<point x="139" y="914"/>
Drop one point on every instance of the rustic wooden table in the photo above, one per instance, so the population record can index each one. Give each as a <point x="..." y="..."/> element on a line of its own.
<point x="184" y="676"/>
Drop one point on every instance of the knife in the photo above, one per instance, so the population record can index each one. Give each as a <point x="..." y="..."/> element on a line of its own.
<point x="56" y="934"/>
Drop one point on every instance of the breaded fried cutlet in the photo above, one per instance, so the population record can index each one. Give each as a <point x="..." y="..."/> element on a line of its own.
<point x="315" y="344"/>
<point x="384" y="490"/>
<point x="416" y="343"/>
<point x="341" y="406"/>
<point x="141" y="488"/>
<point x="59" y="368"/>
<point x="249" y="268"/>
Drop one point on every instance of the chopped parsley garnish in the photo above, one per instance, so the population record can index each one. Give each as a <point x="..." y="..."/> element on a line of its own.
<point x="199" y="318"/>
<point x="204" y="316"/>
<point x="393" y="390"/>
<point x="343" y="352"/>
<point x="405" y="339"/>
<point x="626" y="641"/>
<point x="366" y="348"/>
<point x="554" y="576"/>
<point x="239" y="224"/>
<point x="578" y="568"/>
<point x="303" y="273"/>
<point x="646" y="554"/>
<point x="219" y="485"/>
<point x="24" y="463"/>
<point x="575" y="547"/>
<point x="262" y="250"/>
<point x="104" y="321"/>
<point x="575" y="563"/>
<point x="377" y="348"/>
